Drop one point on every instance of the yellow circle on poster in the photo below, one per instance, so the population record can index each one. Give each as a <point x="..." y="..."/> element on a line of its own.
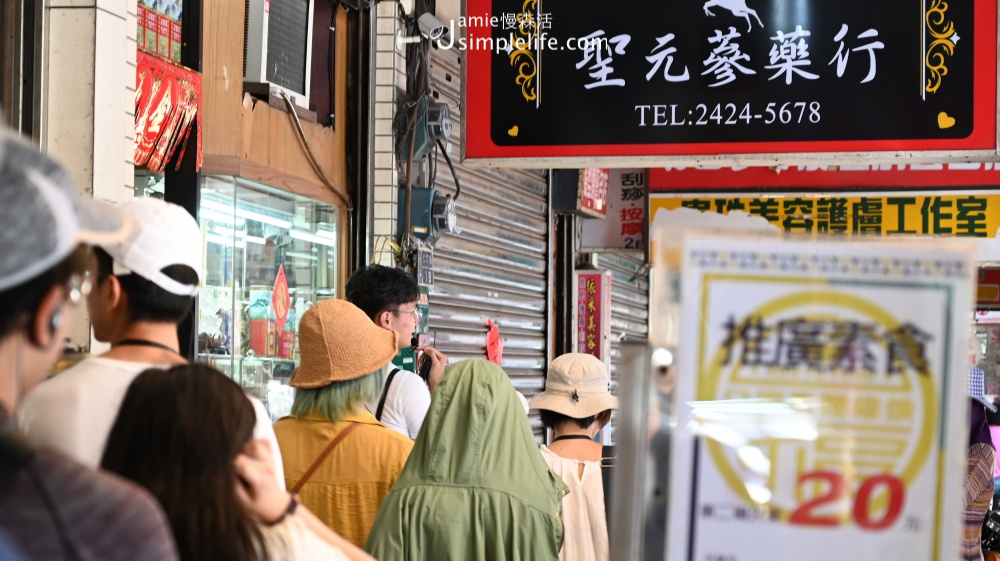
<point x="869" y="424"/>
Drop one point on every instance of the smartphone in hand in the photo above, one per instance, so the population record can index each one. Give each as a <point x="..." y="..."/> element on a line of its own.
<point x="425" y="367"/>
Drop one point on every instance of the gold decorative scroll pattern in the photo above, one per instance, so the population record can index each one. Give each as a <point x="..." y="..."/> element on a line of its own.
<point x="521" y="56"/>
<point x="942" y="47"/>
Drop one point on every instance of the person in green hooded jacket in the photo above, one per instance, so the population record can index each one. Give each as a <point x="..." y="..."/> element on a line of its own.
<point x="475" y="485"/>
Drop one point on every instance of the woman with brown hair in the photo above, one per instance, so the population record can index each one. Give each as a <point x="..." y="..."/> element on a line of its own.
<point x="186" y="435"/>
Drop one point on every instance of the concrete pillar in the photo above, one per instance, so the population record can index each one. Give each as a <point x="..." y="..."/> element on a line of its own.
<point x="88" y="100"/>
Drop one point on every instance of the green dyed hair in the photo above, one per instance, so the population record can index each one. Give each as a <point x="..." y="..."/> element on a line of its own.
<point x="336" y="400"/>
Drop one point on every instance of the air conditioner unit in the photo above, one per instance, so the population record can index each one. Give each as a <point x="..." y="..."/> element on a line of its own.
<point x="278" y="47"/>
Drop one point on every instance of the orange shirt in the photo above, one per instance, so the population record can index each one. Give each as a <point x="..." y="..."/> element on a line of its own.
<point x="348" y="487"/>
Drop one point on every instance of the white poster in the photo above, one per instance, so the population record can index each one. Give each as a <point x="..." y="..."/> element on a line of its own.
<point x="821" y="400"/>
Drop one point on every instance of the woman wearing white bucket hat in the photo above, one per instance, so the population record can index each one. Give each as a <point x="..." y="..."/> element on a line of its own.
<point x="576" y="405"/>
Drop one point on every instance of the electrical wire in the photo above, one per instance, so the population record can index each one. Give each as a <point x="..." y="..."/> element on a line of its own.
<point x="447" y="160"/>
<point x="418" y="83"/>
<point x="408" y="107"/>
<point x="311" y="156"/>
<point x="417" y="56"/>
<point x="432" y="166"/>
<point x="378" y="250"/>
<point x="408" y="186"/>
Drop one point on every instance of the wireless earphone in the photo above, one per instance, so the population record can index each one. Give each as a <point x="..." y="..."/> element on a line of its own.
<point x="55" y="321"/>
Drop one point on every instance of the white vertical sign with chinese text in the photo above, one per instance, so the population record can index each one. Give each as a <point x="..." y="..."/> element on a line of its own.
<point x="821" y="399"/>
<point x="626" y="223"/>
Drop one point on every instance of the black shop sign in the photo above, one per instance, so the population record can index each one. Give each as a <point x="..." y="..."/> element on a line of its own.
<point x="562" y="79"/>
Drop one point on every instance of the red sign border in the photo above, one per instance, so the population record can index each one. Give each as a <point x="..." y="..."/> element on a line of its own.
<point x="477" y="81"/>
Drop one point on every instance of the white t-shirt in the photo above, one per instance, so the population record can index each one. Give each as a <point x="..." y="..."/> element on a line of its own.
<point x="292" y="540"/>
<point x="73" y="412"/>
<point x="584" y="521"/>
<point x="406" y="404"/>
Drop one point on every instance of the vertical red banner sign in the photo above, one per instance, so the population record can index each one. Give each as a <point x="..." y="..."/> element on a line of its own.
<point x="592" y="313"/>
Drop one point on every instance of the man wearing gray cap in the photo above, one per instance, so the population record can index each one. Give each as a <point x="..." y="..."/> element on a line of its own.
<point x="50" y="506"/>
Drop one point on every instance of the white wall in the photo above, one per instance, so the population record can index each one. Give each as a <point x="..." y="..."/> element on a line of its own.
<point x="449" y="10"/>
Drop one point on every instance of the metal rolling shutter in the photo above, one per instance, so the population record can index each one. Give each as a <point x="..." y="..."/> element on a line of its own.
<point x="497" y="266"/>
<point x="629" y="302"/>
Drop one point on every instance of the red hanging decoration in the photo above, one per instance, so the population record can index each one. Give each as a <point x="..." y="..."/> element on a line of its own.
<point x="167" y="106"/>
<point x="494" y="344"/>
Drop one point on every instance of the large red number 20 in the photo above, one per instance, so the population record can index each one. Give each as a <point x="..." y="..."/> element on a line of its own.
<point x="864" y="497"/>
<point x="837" y="488"/>
<point x="803" y="515"/>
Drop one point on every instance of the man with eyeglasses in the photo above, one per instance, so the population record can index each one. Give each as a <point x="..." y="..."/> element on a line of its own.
<point x="389" y="297"/>
<point x="52" y="507"/>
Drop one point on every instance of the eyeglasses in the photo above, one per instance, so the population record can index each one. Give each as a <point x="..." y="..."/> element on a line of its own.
<point x="416" y="313"/>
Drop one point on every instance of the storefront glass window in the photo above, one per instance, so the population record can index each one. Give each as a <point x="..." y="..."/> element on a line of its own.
<point x="254" y="236"/>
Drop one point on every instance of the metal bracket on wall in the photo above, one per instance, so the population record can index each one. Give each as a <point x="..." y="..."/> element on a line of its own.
<point x="587" y="261"/>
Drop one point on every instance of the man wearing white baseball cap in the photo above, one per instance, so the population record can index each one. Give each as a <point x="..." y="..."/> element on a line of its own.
<point x="51" y="507"/>
<point x="576" y="405"/>
<point x="145" y="286"/>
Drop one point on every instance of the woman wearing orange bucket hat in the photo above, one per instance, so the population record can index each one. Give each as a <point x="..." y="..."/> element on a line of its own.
<point x="338" y="459"/>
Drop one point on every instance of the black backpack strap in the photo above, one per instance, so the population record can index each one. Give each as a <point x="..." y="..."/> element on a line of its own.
<point x="385" y="392"/>
<point x="608" y="457"/>
<point x="15" y="455"/>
